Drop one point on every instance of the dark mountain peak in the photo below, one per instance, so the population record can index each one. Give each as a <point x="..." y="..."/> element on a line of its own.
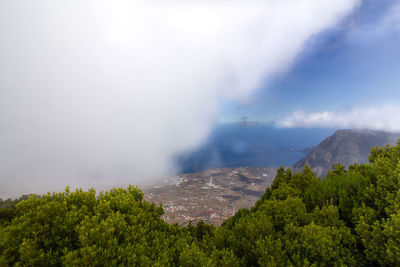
<point x="346" y="147"/>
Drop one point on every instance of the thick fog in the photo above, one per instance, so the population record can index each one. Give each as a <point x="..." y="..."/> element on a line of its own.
<point x="104" y="93"/>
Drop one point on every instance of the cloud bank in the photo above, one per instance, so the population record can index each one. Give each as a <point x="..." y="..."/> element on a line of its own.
<point x="383" y="118"/>
<point x="105" y="93"/>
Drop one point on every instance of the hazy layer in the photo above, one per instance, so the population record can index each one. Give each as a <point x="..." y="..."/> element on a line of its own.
<point x="105" y="93"/>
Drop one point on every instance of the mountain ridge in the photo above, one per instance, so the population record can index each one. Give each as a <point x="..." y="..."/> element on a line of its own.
<point x="346" y="147"/>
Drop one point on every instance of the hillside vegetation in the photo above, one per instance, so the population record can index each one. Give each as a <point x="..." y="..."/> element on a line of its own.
<point x="351" y="217"/>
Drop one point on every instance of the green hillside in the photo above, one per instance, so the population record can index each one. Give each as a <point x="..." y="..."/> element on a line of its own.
<point x="352" y="217"/>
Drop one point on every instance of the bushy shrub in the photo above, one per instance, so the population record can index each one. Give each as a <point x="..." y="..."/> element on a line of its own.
<point x="352" y="217"/>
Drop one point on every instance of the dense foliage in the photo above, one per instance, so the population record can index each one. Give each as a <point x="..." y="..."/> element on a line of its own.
<point x="8" y="208"/>
<point x="351" y="217"/>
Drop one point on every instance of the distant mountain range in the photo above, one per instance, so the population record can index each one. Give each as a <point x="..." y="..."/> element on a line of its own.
<point x="345" y="147"/>
<point x="251" y="144"/>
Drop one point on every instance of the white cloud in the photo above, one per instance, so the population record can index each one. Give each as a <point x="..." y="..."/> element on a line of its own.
<point x="102" y="93"/>
<point x="384" y="118"/>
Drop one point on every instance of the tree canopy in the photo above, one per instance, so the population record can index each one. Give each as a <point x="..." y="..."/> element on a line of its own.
<point x="351" y="217"/>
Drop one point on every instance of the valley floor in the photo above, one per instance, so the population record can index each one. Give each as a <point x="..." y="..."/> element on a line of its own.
<point x="211" y="196"/>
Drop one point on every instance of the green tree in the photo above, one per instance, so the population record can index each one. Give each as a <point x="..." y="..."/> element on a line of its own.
<point x="349" y="218"/>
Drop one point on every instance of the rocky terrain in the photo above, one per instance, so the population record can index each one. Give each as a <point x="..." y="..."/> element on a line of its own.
<point x="345" y="147"/>
<point x="211" y="196"/>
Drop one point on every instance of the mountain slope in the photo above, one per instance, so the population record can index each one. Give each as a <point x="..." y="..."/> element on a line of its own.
<point x="345" y="147"/>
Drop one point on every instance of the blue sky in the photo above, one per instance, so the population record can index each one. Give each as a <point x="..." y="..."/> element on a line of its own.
<point x="354" y="64"/>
